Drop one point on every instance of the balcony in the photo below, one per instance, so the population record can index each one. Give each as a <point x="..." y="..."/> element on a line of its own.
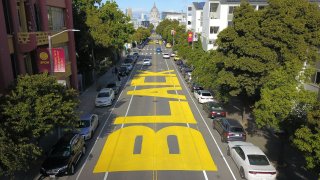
<point x="28" y="41"/>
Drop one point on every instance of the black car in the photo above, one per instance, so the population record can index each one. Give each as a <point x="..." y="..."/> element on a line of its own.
<point x="179" y="62"/>
<point x="64" y="156"/>
<point x="129" y="60"/>
<point x="229" y="129"/>
<point x="136" y="55"/>
<point x="214" y="109"/>
<point x="123" y="71"/>
<point x="114" y="86"/>
<point x="195" y="87"/>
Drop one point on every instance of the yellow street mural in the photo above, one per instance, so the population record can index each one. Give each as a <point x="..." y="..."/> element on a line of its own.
<point x="158" y="92"/>
<point x="117" y="154"/>
<point x="180" y="113"/>
<point x="121" y="152"/>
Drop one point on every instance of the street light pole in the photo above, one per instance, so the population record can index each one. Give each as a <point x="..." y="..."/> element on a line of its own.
<point x="50" y="47"/>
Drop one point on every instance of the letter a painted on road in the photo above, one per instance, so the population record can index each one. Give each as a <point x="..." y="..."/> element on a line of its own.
<point x="118" y="152"/>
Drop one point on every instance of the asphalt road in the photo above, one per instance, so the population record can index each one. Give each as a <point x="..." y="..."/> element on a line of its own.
<point x="155" y="130"/>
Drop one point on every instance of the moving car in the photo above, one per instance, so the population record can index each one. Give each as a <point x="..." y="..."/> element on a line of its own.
<point x="146" y="62"/>
<point x="203" y="96"/>
<point x="229" y="129"/>
<point x="252" y="163"/>
<point x="88" y="124"/>
<point x="214" y="109"/>
<point x="105" y="97"/>
<point x="172" y="54"/>
<point x="64" y="156"/>
<point x="158" y="50"/>
<point x="115" y="86"/>
<point x="166" y="56"/>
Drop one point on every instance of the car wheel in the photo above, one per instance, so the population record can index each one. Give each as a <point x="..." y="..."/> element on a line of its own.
<point x="242" y="173"/>
<point x="83" y="150"/>
<point x="71" y="170"/>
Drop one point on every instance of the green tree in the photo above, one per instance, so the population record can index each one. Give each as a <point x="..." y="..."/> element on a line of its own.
<point x="36" y="106"/>
<point x="141" y="34"/>
<point x="307" y="138"/>
<point x="283" y="35"/>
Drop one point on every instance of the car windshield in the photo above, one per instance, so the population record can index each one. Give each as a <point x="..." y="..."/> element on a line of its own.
<point x="103" y="94"/>
<point x="146" y="60"/>
<point x="236" y="129"/>
<point x="258" y="160"/>
<point x="111" y="85"/>
<point x="59" y="151"/>
<point x="206" y="94"/>
<point x="84" y="123"/>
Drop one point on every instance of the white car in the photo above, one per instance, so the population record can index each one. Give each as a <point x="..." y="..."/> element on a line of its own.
<point x="146" y="62"/>
<point x="166" y="56"/>
<point x="172" y="54"/>
<point x="105" y="97"/>
<point x="87" y="125"/>
<point x="253" y="164"/>
<point x="203" y="96"/>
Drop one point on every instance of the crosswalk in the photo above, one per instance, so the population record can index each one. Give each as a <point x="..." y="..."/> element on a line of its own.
<point x="152" y="51"/>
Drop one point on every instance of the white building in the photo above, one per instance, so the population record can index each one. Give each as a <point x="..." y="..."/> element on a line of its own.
<point x="195" y="17"/>
<point x="154" y="16"/>
<point x="218" y="15"/>
<point x="181" y="17"/>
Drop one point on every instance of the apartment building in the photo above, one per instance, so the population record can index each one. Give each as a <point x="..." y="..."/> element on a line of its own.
<point x="218" y="15"/>
<point x="181" y="17"/>
<point x="25" y="26"/>
<point x="195" y="17"/>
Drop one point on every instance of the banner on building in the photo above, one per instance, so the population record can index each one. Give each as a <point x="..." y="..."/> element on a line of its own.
<point x="59" y="62"/>
<point x="190" y="36"/>
<point x="43" y="60"/>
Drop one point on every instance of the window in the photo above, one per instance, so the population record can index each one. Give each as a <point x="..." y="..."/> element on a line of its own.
<point x="261" y="7"/>
<point x="317" y="78"/>
<point x="214" y="7"/>
<point x="230" y="23"/>
<point x="214" y="29"/>
<point x="7" y="16"/>
<point x="189" y="8"/>
<point x="240" y="152"/>
<point x="56" y="18"/>
<point x="189" y="22"/>
<point x="231" y="9"/>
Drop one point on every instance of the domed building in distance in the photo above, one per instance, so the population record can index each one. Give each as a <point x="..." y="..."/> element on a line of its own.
<point x="154" y="16"/>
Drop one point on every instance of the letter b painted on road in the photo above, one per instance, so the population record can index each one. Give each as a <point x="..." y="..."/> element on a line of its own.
<point x="120" y="154"/>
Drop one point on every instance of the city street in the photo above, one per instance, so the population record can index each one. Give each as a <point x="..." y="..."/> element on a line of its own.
<point x="155" y="130"/>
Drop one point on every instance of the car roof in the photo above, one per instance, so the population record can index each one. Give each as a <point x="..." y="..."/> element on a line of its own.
<point x="232" y="122"/>
<point x="105" y="90"/>
<point x="204" y="91"/>
<point x="248" y="150"/>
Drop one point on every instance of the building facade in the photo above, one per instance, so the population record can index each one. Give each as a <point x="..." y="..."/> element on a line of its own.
<point x="129" y="12"/>
<point x="25" y="26"/>
<point x="218" y="15"/>
<point x="154" y="16"/>
<point x="195" y="22"/>
<point x="181" y="17"/>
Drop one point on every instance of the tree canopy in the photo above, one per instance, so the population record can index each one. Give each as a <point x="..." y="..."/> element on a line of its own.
<point x="141" y="34"/>
<point x="36" y="106"/>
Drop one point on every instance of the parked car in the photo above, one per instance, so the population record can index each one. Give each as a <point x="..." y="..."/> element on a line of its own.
<point x="195" y="87"/>
<point x="203" y="96"/>
<point x="123" y="70"/>
<point x="115" y="86"/>
<point x="136" y="55"/>
<point x="185" y="71"/>
<point x="105" y="97"/>
<point x="64" y="156"/>
<point x="146" y="62"/>
<point x="166" y="56"/>
<point x="129" y="61"/>
<point x="251" y="161"/>
<point x="88" y="124"/>
<point x="179" y="62"/>
<point x="172" y="54"/>
<point x="229" y="129"/>
<point x="176" y="58"/>
<point x="214" y="109"/>
<point x="168" y="45"/>
<point x="128" y="65"/>
<point x="158" y="50"/>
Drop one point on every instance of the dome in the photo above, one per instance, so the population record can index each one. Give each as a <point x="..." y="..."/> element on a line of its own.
<point x="154" y="9"/>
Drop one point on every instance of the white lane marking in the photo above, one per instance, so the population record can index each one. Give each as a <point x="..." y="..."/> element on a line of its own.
<point x="105" y="176"/>
<point x="205" y="175"/>
<point x="205" y="123"/>
<point x="112" y="109"/>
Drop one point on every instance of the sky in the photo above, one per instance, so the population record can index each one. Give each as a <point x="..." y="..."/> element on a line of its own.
<point x="162" y="5"/>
